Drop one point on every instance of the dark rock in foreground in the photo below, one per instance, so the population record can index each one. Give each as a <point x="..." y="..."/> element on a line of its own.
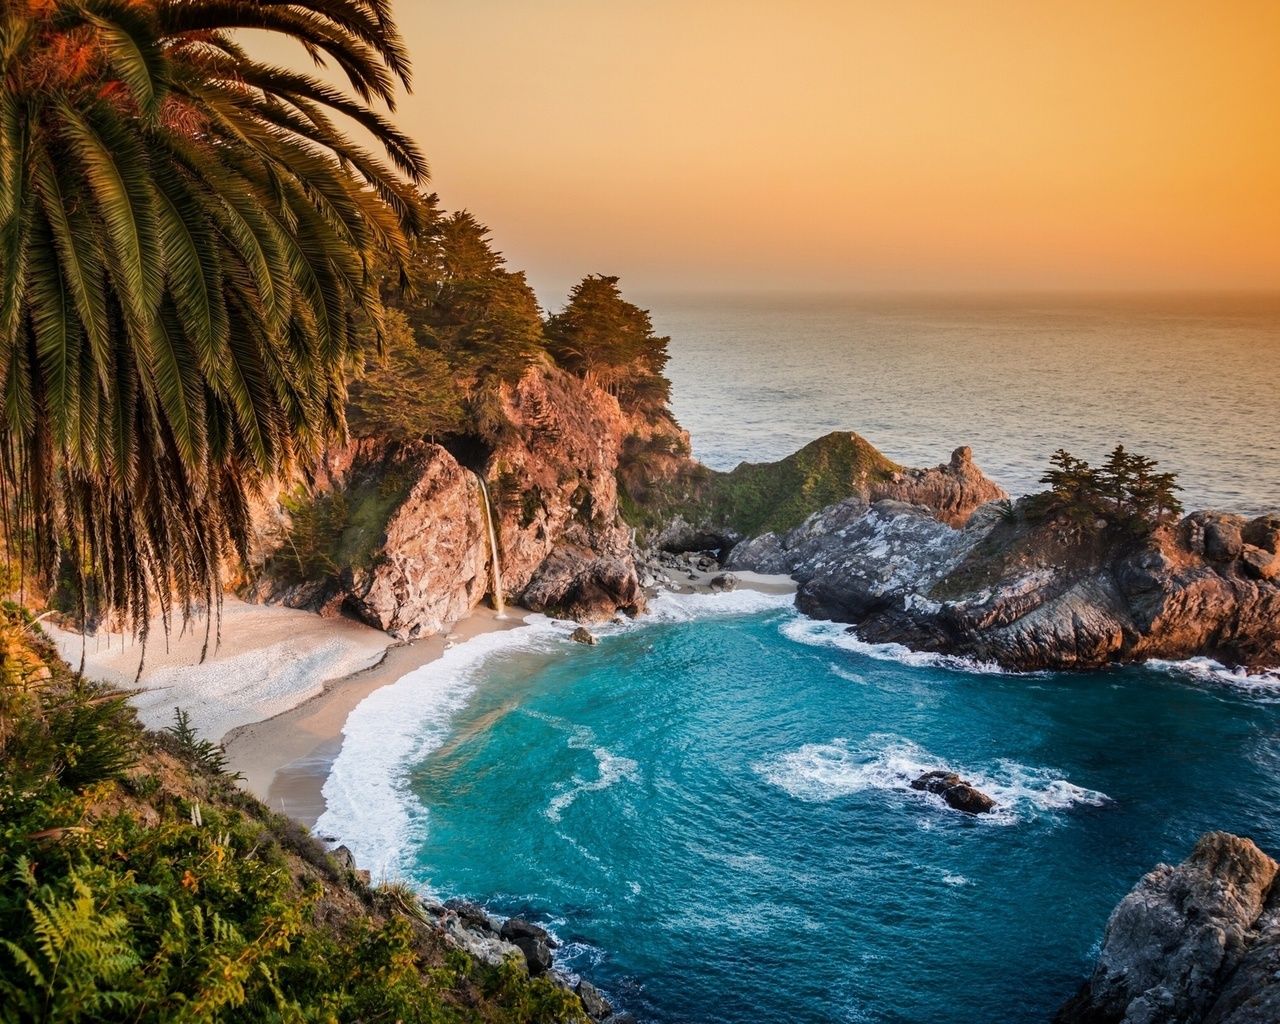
<point x="955" y="791"/>
<point x="596" y="1005"/>
<point x="1194" y="944"/>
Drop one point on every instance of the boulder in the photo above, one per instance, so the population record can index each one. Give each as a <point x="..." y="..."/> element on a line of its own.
<point x="955" y="791"/>
<point x="1264" y="533"/>
<point x="1259" y="562"/>
<point x="1174" y="947"/>
<point x="582" y="635"/>
<point x="726" y="583"/>
<point x="472" y="915"/>
<point x="596" y="1005"/>
<point x="1223" y="539"/>
<point x="578" y="584"/>
<point x="468" y="926"/>
<point x="344" y="858"/>
<point x="532" y="941"/>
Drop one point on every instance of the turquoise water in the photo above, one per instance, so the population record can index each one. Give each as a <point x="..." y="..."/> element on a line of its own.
<point x="712" y="812"/>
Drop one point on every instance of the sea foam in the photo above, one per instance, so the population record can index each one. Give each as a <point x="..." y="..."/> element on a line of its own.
<point x="824" y="633"/>
<point x="821" y="772"/>
<point x="1264" y="684"/>
<point x="369" y="807"/>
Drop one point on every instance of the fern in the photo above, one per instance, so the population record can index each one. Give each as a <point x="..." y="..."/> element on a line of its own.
<point x="212" y="757"/>
<point x="82" y="963"/>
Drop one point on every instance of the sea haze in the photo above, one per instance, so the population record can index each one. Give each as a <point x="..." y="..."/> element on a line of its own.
<point x="1190" y="381"/>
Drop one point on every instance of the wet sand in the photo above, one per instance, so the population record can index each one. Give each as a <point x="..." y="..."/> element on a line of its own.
<point x="285" y="759"/>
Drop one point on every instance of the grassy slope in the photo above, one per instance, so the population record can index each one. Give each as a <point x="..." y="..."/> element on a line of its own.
<point x="139" y="883"/>
<point x="759" y="497"/>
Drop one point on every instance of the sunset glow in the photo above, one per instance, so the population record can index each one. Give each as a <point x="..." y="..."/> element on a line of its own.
<point x="855" y="145"/>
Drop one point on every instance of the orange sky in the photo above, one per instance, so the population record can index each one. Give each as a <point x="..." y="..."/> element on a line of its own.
<point x="859" y="144"/>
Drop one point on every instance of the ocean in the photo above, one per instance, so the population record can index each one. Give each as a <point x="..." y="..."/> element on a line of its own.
<point x="711" y="809"/>
<point x="1189" y="381"/>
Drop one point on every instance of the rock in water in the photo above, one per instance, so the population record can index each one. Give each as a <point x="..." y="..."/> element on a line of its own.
<point x="1194" y="944"/>
<point x="582" y="635"/>
<point x="955" y="791"/>
<point x="596" y="1005"/>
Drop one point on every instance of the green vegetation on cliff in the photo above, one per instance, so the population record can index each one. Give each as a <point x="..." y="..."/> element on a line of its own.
<point x="1125" y="491"/>
<point x="138" y="883"/>
<point x="756" y="498"/>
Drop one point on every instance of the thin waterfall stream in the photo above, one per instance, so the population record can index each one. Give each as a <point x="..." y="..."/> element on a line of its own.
<point x="494" y="561"/>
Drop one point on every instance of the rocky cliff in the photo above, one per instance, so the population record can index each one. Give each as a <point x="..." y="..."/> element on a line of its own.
<point x="765" y="501"/>
<point x="397" y="534"/>
<point x="1029" y="594"/>
<point x="1194" y="944"/>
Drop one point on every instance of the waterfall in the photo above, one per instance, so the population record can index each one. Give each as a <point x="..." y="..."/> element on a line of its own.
<point x="493" y="547"/>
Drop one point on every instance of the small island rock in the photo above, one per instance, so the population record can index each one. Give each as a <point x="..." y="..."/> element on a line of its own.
<point x="582" y="635"/>
<point x="955" y="791"/>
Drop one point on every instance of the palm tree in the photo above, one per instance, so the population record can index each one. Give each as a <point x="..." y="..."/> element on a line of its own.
<point x="189" y="255"/>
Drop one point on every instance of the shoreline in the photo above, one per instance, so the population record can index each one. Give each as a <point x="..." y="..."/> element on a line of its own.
<point x="286" y="759"/>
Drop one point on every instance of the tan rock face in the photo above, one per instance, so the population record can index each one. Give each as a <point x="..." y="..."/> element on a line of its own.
<point x="952" y="491"/>
<point x="435" y="562"/>
<point x="554" y="485"/>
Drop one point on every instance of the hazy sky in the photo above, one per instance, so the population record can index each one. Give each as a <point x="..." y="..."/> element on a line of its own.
<point x="859" y="144"/>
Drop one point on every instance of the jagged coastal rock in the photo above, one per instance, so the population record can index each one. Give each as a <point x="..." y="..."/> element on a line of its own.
<point x="1194" y="944"/>
<point x="952" y="490"/>
<point x="469" y="927"/>
<point x="1028" y="594"/>
<point x="417" y="556"/>
<point x="936" y="559"/>
<point x="957" y="793"/>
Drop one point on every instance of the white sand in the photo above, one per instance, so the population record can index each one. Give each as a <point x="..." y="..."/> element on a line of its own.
<point x="278" y="690"/>
<point x="270" y="660"/>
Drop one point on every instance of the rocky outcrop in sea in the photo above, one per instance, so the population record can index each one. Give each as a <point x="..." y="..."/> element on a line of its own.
<point x="1007" y="588"/>
<point x="1198" y="943"/>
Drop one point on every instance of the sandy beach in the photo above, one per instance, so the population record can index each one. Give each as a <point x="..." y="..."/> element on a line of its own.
<point x="279" y="687"/>
<point x="285" y="759"/>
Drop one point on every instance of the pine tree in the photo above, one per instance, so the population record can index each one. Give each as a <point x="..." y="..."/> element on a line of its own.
<point x="610" y="342"/>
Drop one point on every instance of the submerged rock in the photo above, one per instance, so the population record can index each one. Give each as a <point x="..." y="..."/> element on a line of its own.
<point x="1194" y="944"/>
<point x="955" y="791"/>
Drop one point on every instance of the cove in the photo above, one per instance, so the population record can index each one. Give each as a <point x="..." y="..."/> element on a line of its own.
<point x="712" y="811"/>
